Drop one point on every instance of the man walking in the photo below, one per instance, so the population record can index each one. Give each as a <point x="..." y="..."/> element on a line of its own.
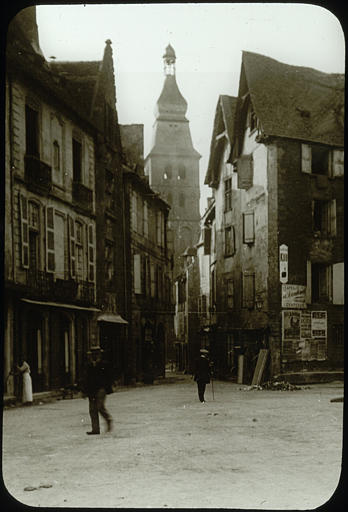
<point x="97" y="384"/>
<point x="202" y="373"/>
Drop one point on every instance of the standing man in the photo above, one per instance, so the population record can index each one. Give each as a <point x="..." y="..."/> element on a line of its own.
<point x="97" y="384"/>
<point x="202" y="373"/>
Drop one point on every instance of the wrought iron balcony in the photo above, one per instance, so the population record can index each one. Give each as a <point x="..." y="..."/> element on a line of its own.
<point x="40" y="283"/>
<point x="38" y="174"/>
<point x="82" y="196"/>
<point x="65" y="289"/>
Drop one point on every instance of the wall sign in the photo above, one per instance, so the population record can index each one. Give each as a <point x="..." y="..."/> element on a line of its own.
<point x="283" y="263"/>
<point x="294" y="296"/>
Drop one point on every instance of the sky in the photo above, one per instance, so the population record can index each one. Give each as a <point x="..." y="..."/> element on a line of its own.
<point x="208" y="40"/>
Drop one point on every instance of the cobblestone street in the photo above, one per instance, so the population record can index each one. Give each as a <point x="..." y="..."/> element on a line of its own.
<point x="247" y="448"/>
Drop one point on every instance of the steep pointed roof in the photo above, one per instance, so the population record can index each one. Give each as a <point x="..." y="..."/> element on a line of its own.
<point x="223" y="124"/>
<point x="171" y="103"/>
<point x="293" y="101"/>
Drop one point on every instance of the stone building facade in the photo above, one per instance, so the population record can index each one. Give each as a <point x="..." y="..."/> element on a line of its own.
<point x="149" y="266"/>
<point x="278" y="189"/>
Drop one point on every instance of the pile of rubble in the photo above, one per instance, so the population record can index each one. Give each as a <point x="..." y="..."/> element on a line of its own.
<point x="274" y="386"/>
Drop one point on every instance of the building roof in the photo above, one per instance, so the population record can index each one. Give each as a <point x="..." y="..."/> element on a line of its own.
<point x="223" y="124"/>
<point x="293" y="101"/>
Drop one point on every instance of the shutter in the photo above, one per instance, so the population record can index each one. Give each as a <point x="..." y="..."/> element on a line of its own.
<point x="306" y="158"/>
<point x="332" y="218"/>
<point x="50" y="263"/>
<point x="309" y="282"/>
<point x="24" y="227"/>
<point x="146" y="220"/>
<point x="248" y="289"/>
<point x="207" y="240"/>
<point x="248" y="228"/>
<point x="72" y="249"/>
<point x="159" y="227"/>
<point x="338" y="163"/>
<point x="91" y="258"/>
<point x="338" y="283"/>
<point x="245" y="172"/>
<point x="137" y="274"/>
<point x="134" y="210"/>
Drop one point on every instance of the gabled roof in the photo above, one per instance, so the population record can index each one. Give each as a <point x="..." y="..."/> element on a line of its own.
<point x="223" y="123"/>
<point x="293" y="101"/>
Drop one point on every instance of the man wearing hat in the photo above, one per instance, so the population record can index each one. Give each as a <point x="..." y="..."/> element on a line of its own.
<point x="202" y="373"/>
<point x="97" y="384"/>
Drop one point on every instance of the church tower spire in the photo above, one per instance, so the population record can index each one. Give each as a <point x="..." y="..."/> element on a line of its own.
<point x="172" y="164"/>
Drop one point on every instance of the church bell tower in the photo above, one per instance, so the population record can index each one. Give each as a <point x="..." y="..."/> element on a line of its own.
<point x="172" y="164"/>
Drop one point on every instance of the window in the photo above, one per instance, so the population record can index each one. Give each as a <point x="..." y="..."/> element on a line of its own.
<point x="24" y="226"/>
<point x="91" y="257"/>
<point x="137" y="276"/>
<point x="146" y="219"/>
<point x="229" y="294"/>
<point x="159" y="228"/>
<point x="245" y="170"/>
<point x="56" y="156"/>
<point x="248" y="289"/>
<point x="50" y="259"/>
<point x="167" y="175"/>
<point x="79" y="249"/>
<point x="322" y="160"/>
<point x="109" y="189"/>
<point x="31" y="131"/>
<point x="77" y="160"/>
<point x="321" y="284"/>
<point x="34" y="216"/>
<point x="182" y="172"/>
<point x="228" y="194"/>
<point x="109" y="263"/>
<point x="324" y="217"/>
<point x="181" y="200"/>
<point x="248" y="228"/>
<point x="229" y="241"/>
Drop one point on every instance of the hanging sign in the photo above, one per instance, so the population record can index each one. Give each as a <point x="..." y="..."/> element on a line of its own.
<point x="283" y="263"/>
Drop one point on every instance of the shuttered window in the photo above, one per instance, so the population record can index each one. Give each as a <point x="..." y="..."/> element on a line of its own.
<point x="245" y="171"/>
<point x="24" y="226"/>
<point x="248" y="228"/>
<point x="338" y="163"/>
<point x="72" y="258"/>
<point x="137" y="275"/>
<point x="248" y="289"/>
<point x="91" y="257"/>
<point x="229" y="241"/>
<point x="306" y="158"/>
<point x="50" y="260"/>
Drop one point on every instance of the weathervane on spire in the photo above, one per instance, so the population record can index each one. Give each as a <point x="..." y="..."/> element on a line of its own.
<point x="169" y="59"/>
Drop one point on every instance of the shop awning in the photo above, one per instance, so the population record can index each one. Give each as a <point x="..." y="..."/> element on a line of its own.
<point x="59" y="305"/>
<point x="113" y="318"/>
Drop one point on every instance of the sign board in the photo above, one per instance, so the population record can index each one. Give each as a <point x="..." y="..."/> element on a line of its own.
<point x="294" y="296"/>
<point x="319" y="324"/>
<point x="283" y="263"/>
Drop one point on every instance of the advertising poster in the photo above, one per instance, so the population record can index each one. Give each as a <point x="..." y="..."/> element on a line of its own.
<point x="294" y="296"/>
<point x="319" y="324"/>
<point x="291" y="325"/>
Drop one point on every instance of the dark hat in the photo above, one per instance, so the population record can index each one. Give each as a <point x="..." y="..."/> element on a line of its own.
<point x="95" y="349"/>
<point x="204" y="351"/>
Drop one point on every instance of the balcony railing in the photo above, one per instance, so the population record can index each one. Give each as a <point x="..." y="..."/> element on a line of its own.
<point x="38" y="175"/>
<point x="82" y="196"/>
<point x="42" y="285"/>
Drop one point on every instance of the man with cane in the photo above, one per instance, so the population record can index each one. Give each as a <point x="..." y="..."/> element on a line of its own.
<point x="202" y="373"/>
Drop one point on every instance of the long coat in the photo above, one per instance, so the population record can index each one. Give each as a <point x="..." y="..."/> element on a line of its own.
<point x="96" y="377"/>
<point x="202" y="370"/>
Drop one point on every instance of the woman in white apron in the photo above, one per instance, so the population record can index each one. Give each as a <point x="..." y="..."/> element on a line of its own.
<point x="27" y="393"/>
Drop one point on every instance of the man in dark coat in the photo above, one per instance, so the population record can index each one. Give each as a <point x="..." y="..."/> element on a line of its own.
<point x="97" y="384"/>
<point x="202" y="373"/>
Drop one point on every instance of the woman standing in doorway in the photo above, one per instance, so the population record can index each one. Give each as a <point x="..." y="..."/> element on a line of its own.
<point x="27" y="389"/>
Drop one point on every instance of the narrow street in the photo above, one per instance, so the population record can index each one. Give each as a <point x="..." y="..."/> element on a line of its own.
<point x="244" y="449"/>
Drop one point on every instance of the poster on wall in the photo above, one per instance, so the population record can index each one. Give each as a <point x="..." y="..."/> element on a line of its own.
<point x="306" y="325"/>
<point x="291" y="325"/>
<point x="319" y="324"/>
<point x="294" y="296"/>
